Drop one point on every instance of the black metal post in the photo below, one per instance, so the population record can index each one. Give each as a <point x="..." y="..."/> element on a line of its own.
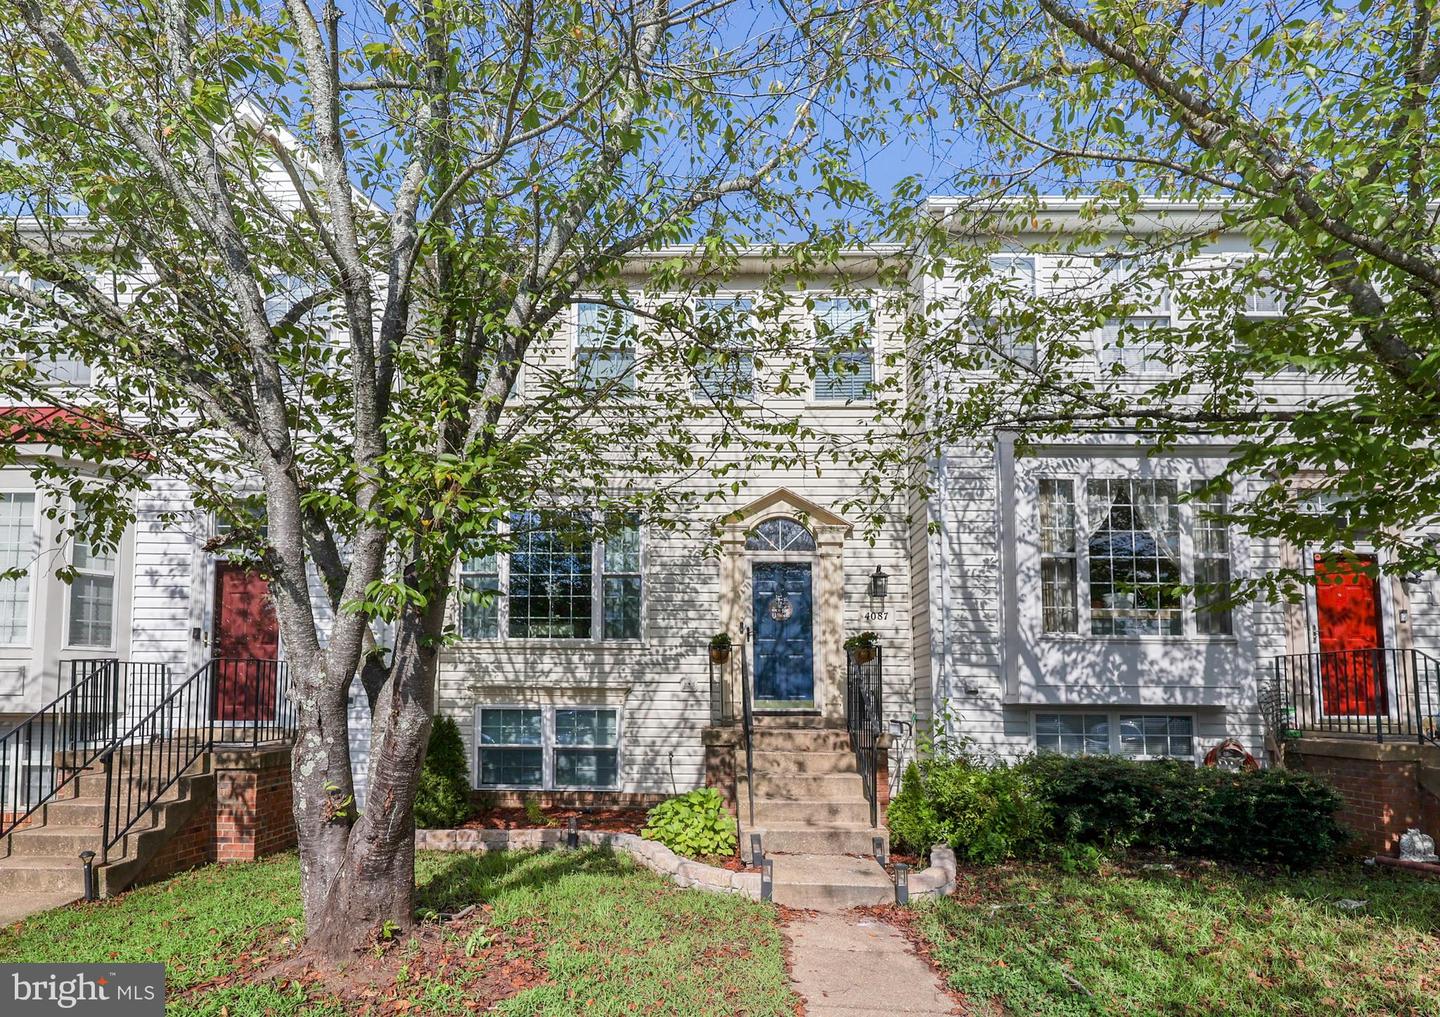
<point x="757" y="851"/>
<point x="767" y="879"/>
<point x="902" y="884"/>
<point x="878" y="845"/>
<point x="572" y="834"/>
<point x="108" y="760"/>
<point x="88" y="857"/>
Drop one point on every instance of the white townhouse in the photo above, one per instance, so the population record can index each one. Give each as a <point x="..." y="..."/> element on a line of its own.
<point x="1047" y="614"/>
<point x="1027" y="604"/>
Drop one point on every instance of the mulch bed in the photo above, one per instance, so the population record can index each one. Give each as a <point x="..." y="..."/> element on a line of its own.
<point x="461" y="950"/>
<point x="610" y="820"/>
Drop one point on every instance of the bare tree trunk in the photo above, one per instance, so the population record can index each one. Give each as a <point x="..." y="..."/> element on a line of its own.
<point x="371" y="888"/>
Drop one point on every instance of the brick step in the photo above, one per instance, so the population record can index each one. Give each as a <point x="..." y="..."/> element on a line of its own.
<point x="806" y="762"/>
<point x="821" y="787"/>
<point x="799" y="739"/>
<point x="809" y="813"/>
<point x="798" y="838"/>
<point x="830" y="882"/>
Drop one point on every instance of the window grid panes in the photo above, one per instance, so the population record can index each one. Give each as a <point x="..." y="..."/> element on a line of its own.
<point x="561" y="581"/>
<point x="1017" y="279"/>
<point x="586" y="748"/>
<point x="1073" y="734"/>
<point x="62" y="368"/>
<point x="1212" y="563"/>
<point x="843" y="337"/>
<point x="728" y="369"/>
<point x="17" y="547"/>
<point x="512" y="747"/>
<point x="620" y="582"/>
<point x="604" y="347"/>
<point x="1157" y="735"/>
<point x="1136" y="343"/>
<point x="92" y="592"/>
<point x="1134" y="558"/>
<point x="551" y="577"/>
<point x="480" y="597"/>
<point x="1057" y="555"/>
<point x="780" y="535"/>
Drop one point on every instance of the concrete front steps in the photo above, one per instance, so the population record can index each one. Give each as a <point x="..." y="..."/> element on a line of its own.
<point x="812" y="816"/>
<point x="43" y="858"/>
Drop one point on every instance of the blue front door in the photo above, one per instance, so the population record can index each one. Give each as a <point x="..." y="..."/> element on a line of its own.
<point x="784" y="648"/>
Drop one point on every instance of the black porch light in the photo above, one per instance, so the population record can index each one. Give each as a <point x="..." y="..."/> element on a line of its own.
<point x="879" y="583"/>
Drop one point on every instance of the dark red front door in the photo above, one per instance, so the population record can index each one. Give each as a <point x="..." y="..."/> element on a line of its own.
<point x="247" y="641"/>
<point x="1347" y="608"/>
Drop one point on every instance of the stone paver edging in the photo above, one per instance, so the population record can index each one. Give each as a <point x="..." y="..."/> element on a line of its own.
<point x="653" y="856"/>
<point x="935" y="881"/>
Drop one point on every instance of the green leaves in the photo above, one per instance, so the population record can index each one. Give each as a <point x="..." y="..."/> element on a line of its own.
<point x="696" y="824"/>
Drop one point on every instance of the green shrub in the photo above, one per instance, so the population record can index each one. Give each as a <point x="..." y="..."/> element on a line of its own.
<point x="1273" y="815"/>
<point x="987" y="812"/>
<point x="443" y="799"/>
<point x="693" y="824"/>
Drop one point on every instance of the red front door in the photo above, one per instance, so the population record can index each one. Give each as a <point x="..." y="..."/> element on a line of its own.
<point x="247" y="642"/>
<point x="1347" y="608"/>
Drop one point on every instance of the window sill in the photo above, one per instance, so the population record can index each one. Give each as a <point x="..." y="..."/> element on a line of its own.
<point x="550" y="643"/>
<point x="1061" y="638"/>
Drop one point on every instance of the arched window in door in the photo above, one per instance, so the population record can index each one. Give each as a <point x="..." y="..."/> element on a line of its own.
<point x="780" y="535"/>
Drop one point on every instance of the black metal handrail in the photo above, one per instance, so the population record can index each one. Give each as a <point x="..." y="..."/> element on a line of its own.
<point x="864" y="718"/>
<point x="1384" y="693"/>
<point x="222" y="699"/>
<point x="42" y="755"/>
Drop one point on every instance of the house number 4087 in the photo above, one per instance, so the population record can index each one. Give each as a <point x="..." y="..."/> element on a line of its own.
<point x="877" y="615"/>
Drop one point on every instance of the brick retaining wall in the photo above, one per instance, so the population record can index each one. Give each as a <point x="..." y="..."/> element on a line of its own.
<point x="1387" y="787"/>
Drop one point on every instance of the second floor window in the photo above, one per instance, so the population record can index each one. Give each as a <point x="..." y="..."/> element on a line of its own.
<point x="727" y="368"/>
<point x="604" y="347"/>
<point x="844" y="338"/>
<point x="560" y="581"/>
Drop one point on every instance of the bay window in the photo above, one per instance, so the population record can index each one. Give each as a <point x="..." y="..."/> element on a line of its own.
<point x="17" y="549"/>
<point x="554" y="747"/>
<point x="1116" y="547"/>
<point x="92" y="594"/>
<point x="560" y="580"/>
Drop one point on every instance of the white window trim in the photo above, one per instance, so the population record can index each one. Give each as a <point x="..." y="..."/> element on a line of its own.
<point x="696" y="390"/>
<point x="548" y="746"/>
<point x="69" y="592"/>
<point x="573" y="336"/>
<point x="1112" y="716"/>
<point x="597" y="601"/>
<point x="1081" y="473"/>
<point x="37" y="587"/>
<point x="873" y="342"/>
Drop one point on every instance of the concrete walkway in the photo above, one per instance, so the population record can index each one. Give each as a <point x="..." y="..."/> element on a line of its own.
<point x="15" y="906"/>
<point x="848" y="965"/>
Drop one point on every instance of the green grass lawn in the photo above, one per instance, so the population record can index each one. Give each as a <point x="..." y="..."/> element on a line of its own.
<point x="1031" y="940"/>
<point x="583" y="932"/>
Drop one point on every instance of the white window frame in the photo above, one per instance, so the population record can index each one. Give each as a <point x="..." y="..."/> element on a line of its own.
<point x="630" y="382"/>
<point x="1112" y="716"/>
<point x="36" y="588"/>
<point x="1003" y="265"/>
<point x="597" y="600"/>
<point x="548" y="746"/>
<point x="1160" y="312"/>
<point x="1081" y="473"/>
<point x="697" y="390"/>
<point x="69" y="602"/>
<point x="872" y="345"/>
<point x="544" y="755"/>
